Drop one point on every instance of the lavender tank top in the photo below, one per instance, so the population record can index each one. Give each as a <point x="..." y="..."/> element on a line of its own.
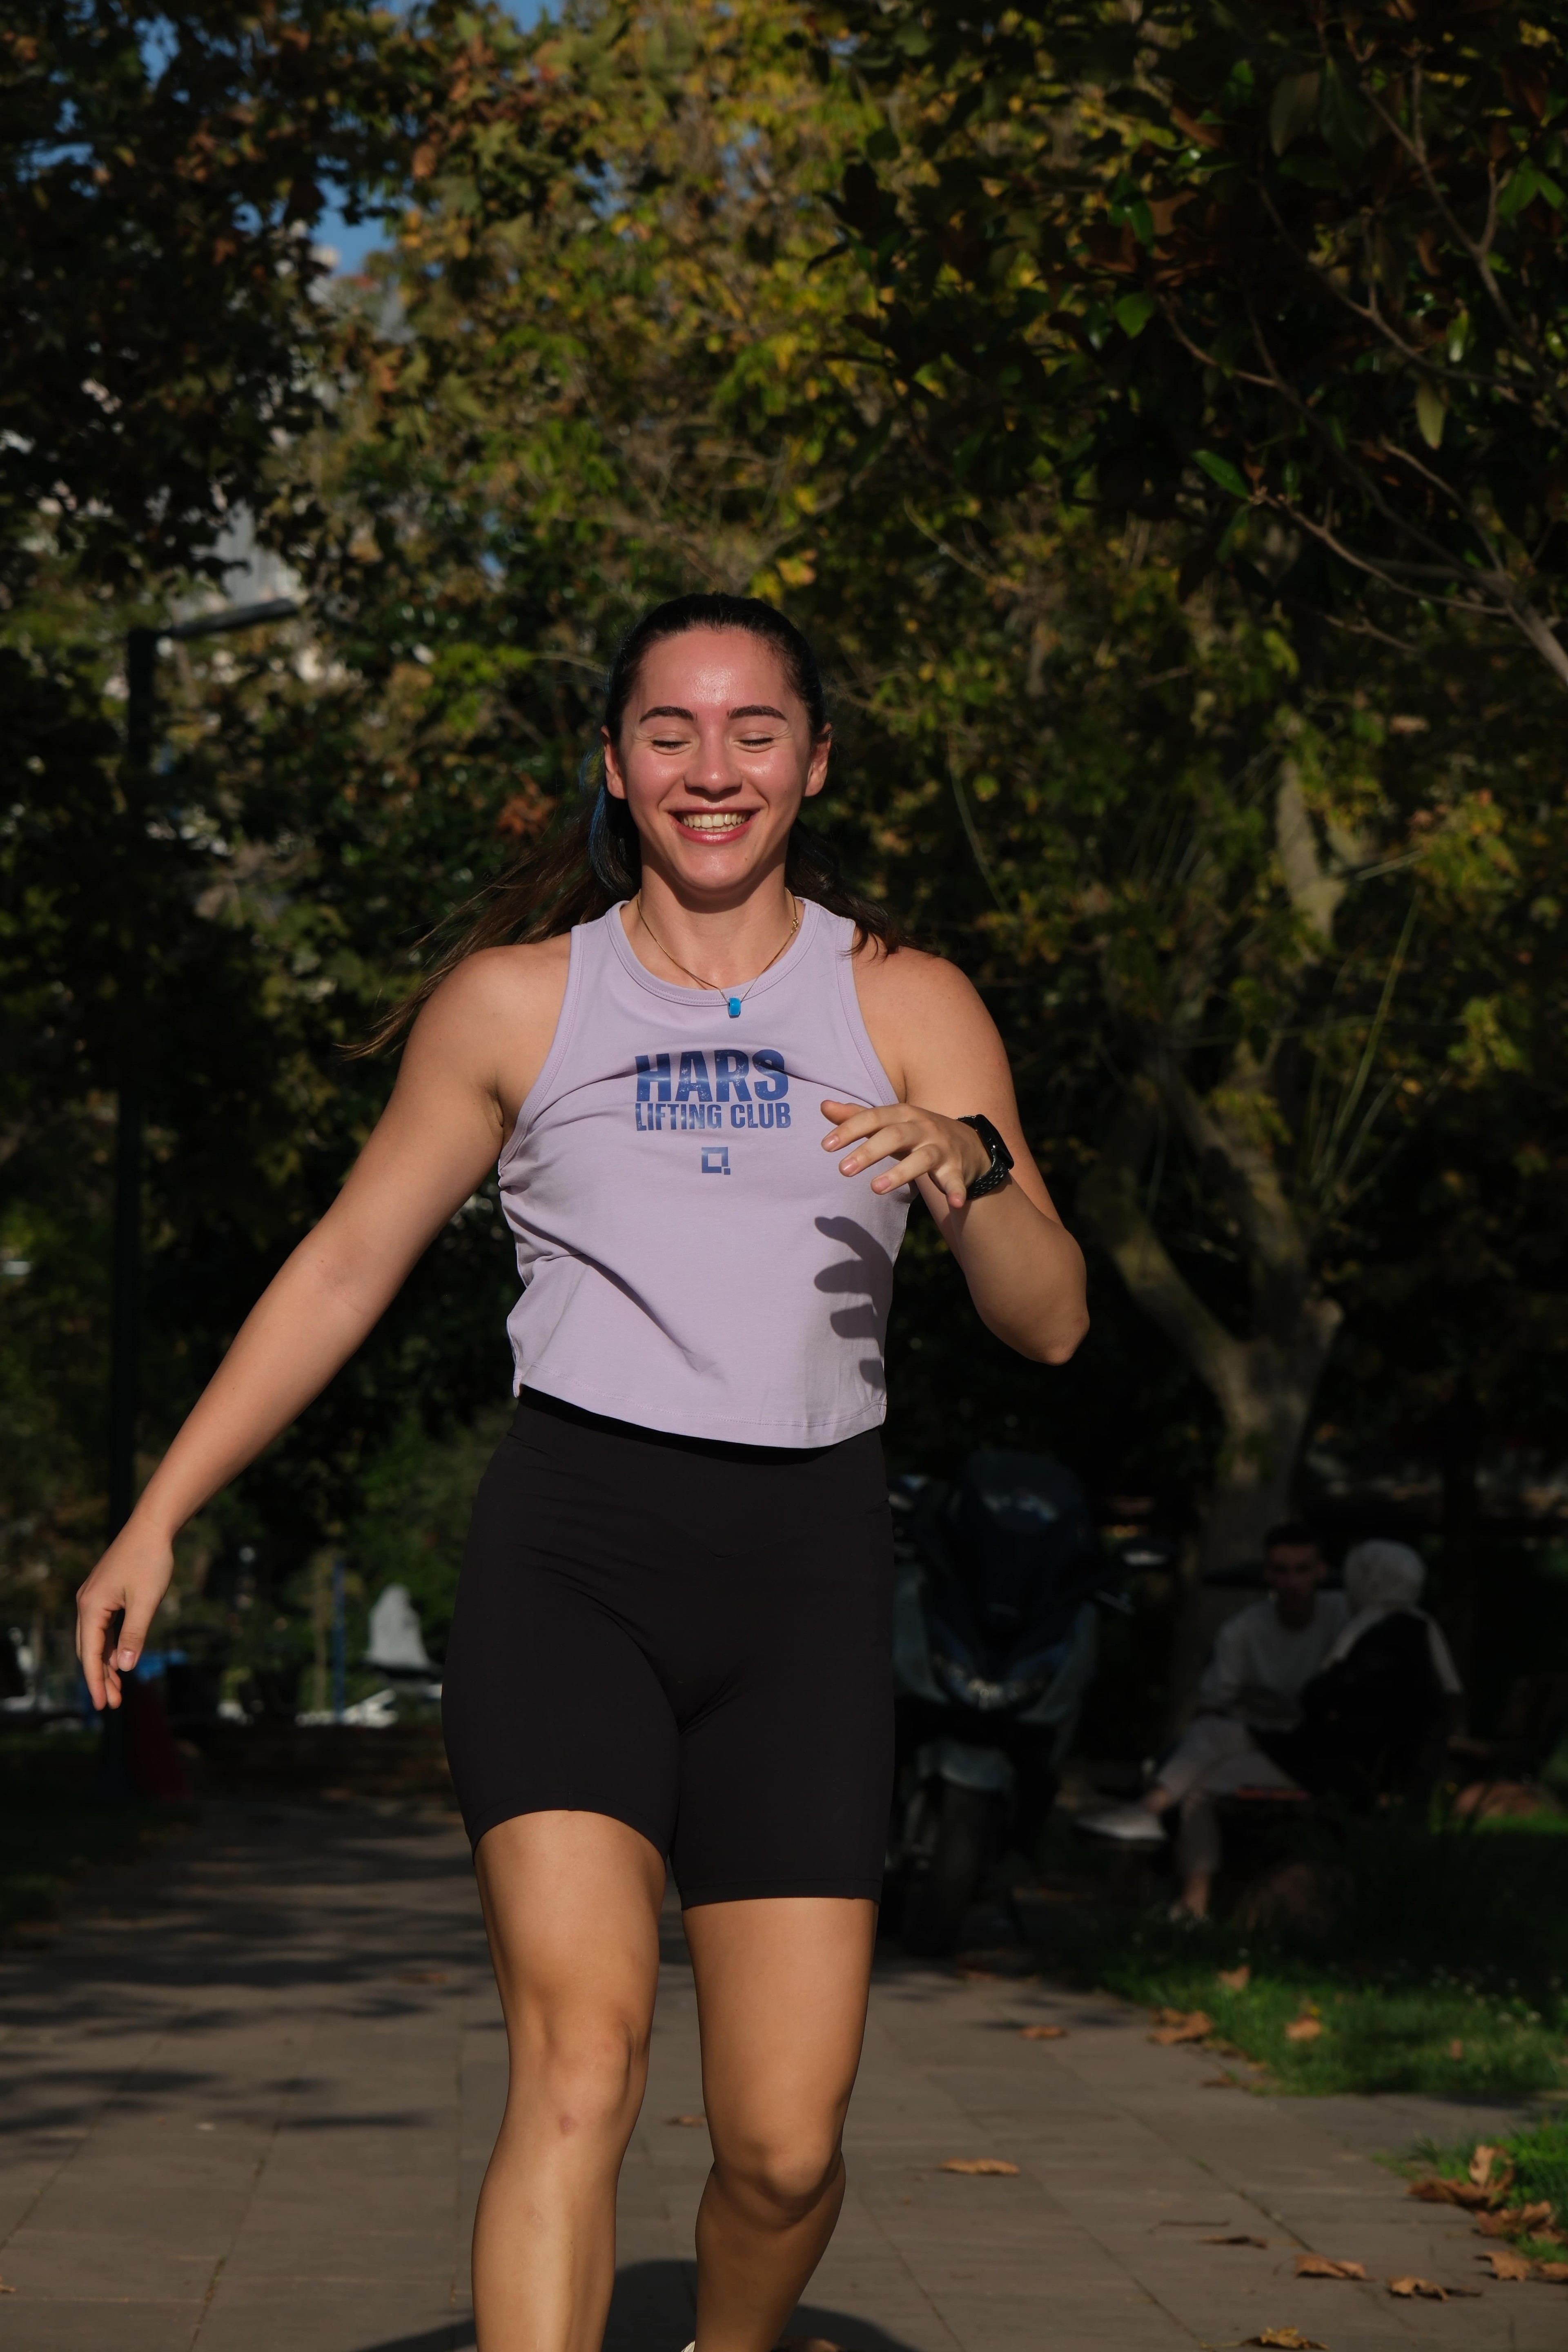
<point x="691" y="1259"/>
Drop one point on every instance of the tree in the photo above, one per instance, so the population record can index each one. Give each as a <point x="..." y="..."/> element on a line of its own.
<point x="165" y="167"/>
<point x="1294" y="274"/>
<point x="1180" y="861"/>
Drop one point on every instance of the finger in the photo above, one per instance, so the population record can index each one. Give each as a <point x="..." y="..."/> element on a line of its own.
<point x="92" y="1637"/>
<point x="885" y="1143"/>
<point x="920" y="1160"/>
<point x="850" y="1119"/>
<point x="133" y="1639"/>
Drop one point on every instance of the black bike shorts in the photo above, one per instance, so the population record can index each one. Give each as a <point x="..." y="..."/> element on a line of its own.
<point x="694" y="1638"/>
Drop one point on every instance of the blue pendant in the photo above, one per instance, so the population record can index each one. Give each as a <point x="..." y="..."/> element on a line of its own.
<point x="734" y="1008"/>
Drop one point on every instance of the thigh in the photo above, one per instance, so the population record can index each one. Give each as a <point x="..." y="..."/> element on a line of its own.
<point x="1247" y="1768"/>
<point x="786" y="1769"/>
<point x="572" y="1903"/>
<point x="1205" y="1742"/>
<point x="550" y="1703"/>
<point x="781" y="1986"/>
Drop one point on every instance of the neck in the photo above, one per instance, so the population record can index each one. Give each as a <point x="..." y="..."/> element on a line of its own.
<point x="727" y="944"/>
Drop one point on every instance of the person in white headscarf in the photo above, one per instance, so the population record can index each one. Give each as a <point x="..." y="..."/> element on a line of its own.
<point x="1386" y="1579"/>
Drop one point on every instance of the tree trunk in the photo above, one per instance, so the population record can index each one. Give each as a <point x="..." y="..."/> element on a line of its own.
<point x="1264" y="1386"/>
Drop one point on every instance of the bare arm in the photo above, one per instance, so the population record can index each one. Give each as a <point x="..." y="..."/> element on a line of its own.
<point x="439" y="1135"/>
<point x="939" y="1046"/>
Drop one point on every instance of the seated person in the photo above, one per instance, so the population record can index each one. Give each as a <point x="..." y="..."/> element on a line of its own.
<point x="1263" y="1658"/>
<point x="1374" y="1718"/>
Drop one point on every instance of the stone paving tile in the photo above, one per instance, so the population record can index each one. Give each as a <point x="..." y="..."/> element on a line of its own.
<point x="312" y="1984"/>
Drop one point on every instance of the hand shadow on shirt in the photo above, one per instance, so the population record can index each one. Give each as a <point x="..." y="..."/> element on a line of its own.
<point x="867" y="1277"/>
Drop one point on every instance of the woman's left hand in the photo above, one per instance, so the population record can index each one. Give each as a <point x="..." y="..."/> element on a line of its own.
<point x="923" y="1142"/>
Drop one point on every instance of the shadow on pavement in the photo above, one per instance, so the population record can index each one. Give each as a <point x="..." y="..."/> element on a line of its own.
<point x="452" y="2336"/>
<point x="653" y="2311"/>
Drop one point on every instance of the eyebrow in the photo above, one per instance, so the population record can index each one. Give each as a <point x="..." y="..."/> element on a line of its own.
<point x="747" y="710"/>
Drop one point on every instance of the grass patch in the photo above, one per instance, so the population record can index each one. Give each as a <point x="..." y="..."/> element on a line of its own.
<point x="1436" y="1964"/>
<point x="1534" y="2166"/>
<point x="52" y="1826"/>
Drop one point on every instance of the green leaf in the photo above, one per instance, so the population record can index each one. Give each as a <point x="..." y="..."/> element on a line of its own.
<point x="1312" y="171"/>
<point x="1294" y="110"/>
<point x="1133" y="312"/>
<point x="883" y="145"/>
<point x="1142" y="221"/>
<point x="1550" y="189"/>
<point x="1431" y="411"/>
<point x="1345" y="122"/>
<point x="1221" y="470"/>
<point x="1518" y="190"/>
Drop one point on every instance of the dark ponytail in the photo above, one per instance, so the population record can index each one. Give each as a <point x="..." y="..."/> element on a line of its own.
<point x="592" y="857"/>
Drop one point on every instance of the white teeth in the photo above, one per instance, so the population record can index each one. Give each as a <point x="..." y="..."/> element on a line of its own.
<point x="715" y="822"/>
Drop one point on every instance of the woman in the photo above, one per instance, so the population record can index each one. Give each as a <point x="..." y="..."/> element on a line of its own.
<point x="710" y="1081"/>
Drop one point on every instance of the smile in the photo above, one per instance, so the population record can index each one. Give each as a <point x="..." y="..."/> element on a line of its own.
<point x="712" y="821"/>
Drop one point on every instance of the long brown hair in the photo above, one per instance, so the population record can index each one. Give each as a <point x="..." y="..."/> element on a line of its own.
<point x="591" y="856"/>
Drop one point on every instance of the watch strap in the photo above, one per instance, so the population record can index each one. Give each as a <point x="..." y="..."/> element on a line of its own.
<point x="1001" y="1168"/>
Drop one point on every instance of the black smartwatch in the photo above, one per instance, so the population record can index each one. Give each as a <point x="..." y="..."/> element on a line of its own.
<point x="1000" y="1171"/>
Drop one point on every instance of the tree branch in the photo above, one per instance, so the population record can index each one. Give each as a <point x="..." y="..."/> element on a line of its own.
<point x="1109" y="1204"/>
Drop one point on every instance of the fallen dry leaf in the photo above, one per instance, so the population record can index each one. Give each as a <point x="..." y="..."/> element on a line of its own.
<point x="1235" y="1979"/>
<point x="5" y="2289"/>
<point x="1456" y="2048"/>
<point x="685" y="2119"/>
<point x="1178" y="2025"/>
<point x="1429" y="2287"/>
<point x="1321" y="2266"/>
<point x="981" y="2164"/>
<point x="1435" y="2191"/>
<point x="1505" y="2265"/>
<point x="1240" y="2238"/>
<point x="1491" y="2169"/>
<point x="1220" y="2083"/>
<point x="1518" y="2221"/>
<point x="1289" y="2339"/>
<point x="1042" y="2032"/>
<point x="1304" y="2029"/>
<point x="1557" y="2273"/>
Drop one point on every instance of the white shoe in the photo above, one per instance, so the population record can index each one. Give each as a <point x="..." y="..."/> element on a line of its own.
<point x="1125" y="1824"/>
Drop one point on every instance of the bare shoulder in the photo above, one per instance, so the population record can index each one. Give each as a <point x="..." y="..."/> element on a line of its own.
<point x="909" y="977"/>
<point x="492" y="1020"/>
<point x="921" y="1013"/>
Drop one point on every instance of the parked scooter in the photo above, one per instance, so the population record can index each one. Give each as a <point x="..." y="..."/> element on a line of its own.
<point x="999" y="1580"/>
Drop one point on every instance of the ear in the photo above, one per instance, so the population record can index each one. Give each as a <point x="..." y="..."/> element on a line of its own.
<point x="816" y="773"/>
<point x="615" y="782"/>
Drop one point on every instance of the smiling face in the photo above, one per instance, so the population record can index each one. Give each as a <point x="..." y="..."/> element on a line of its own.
<point x="714" y="759"/>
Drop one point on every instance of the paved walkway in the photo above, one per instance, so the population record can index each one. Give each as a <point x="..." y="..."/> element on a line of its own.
<point x="250" y="2090"/>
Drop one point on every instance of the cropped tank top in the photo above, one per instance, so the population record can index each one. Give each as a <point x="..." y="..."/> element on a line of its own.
<point x="691" y="1258"/>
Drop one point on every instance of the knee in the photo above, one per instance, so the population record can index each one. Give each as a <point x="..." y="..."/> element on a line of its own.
<point x="586" y="2073"/>
<point x="782" y="2175"/>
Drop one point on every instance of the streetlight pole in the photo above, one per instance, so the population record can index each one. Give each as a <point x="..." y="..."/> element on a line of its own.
<point x="141" y="688"/>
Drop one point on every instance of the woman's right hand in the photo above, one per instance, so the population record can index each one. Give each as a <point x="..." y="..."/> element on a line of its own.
<point x="128" y="1583"/>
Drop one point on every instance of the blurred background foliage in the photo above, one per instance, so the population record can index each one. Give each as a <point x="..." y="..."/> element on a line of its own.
<point x="1269" y="908"/>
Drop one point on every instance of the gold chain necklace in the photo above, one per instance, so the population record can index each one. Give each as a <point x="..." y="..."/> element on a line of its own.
<point x="734" y="999"/>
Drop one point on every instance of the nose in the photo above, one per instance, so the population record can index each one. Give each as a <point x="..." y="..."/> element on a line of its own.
<point x="712" y="769"/>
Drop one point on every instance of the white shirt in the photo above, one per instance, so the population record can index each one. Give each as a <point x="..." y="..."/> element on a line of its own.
<point x="1259" y="1664"/>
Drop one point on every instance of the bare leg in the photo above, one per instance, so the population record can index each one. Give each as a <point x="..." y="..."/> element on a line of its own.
<point x="571" y="1902"/>
<point x="780" y="1993"/>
